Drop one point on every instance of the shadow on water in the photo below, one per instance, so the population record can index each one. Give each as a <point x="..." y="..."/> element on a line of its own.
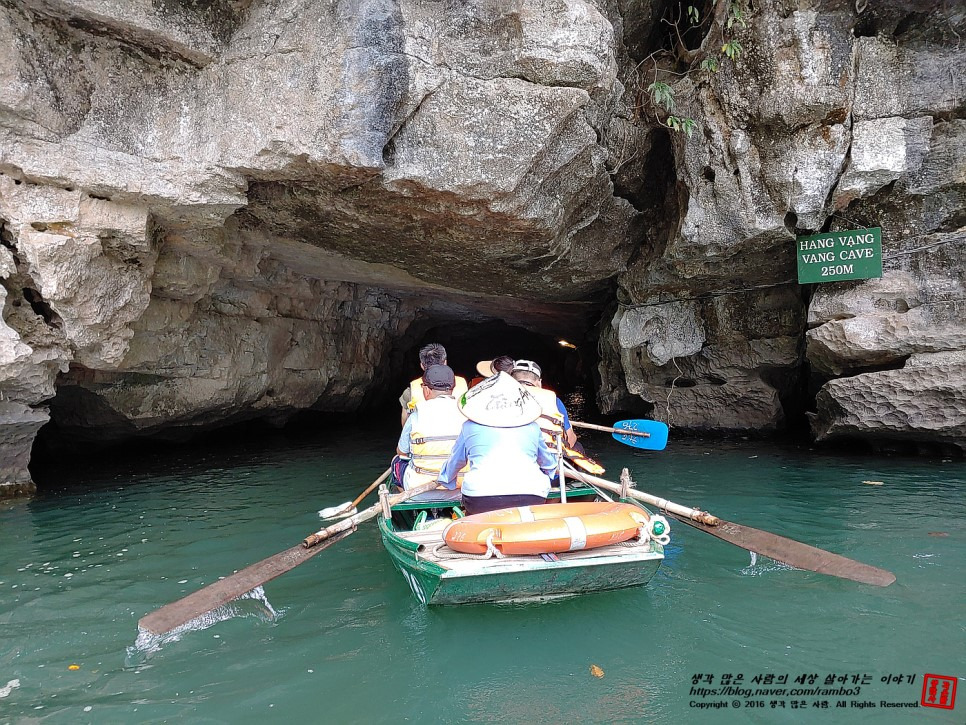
<point x="55" y="466"/>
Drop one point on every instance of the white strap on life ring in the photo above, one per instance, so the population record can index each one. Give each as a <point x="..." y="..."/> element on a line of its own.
<point x="525" y="514"/>
<point x="577" y="531"/>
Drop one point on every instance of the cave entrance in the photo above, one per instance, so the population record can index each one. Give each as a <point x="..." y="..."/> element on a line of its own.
<point x="566" y="367"/>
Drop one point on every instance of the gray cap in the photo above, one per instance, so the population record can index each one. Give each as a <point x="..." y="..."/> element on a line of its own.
<point x="439" y="377"/>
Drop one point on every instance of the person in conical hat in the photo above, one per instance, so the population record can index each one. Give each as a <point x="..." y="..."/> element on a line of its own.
<point x="489" y="368"/>
<point x="509" y="461"/>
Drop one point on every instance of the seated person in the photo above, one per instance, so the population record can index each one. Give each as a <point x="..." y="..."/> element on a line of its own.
<point x="489" y="368"/>
<point x="430" y="432"/>
<point x="554" y="418"/>
<point x="509" y="461"/>
<point x="431" y="354"/>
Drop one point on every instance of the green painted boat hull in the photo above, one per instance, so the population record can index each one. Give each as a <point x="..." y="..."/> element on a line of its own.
<point x="518" y="579"/>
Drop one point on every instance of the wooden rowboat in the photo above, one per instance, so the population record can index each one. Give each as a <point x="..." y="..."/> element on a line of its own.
<point x="437" y="575"/>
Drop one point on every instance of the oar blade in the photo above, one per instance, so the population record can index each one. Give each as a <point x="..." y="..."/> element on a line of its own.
<point x="794" y="553"/>
<point x="171" y="616"/>
<point x="656" y="439"/>
<point x="339" y="512"/>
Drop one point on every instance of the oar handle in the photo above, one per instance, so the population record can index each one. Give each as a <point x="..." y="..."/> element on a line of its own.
<point x="662" y="503"/>
<point x="608" y="429"/>
<point x="370" y="513"/>
<point x="372" y="487"/>
<point x="560" y="467"/>
<point x="327" y="533"/>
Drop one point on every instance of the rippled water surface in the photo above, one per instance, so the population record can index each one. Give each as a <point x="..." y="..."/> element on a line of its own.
<point x="340" y="638"/>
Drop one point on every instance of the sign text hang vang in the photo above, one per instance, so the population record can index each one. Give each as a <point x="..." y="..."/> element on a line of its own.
<point x="837" y="256"/>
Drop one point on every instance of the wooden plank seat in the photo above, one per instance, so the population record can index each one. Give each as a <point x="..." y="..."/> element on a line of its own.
<point x="443" y="499"/>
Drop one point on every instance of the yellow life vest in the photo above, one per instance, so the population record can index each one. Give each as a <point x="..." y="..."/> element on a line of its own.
<point x="437" y="426"/>
<point x="416" y="391"/>
<point x="551" y="423"/>
<point x="551" y="420"/>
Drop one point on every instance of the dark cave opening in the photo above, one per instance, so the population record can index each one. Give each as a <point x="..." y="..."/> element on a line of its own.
<point x="567" y="369"/>
<point x="564" y="369"/>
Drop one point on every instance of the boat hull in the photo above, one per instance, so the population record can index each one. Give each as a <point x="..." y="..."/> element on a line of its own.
<point x="518" y="579"/>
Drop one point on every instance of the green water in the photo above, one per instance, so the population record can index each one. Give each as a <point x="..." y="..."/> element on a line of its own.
<point x="111" y="540"/>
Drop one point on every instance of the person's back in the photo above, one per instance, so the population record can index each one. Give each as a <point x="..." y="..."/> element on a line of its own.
<point x="436" y="424"/>
<point x="429" y="355"/>
<point x="554" y="419"/>
<point x="428" y="434"/>
<point x="509" y="462"/>
<point x="503" y="461"/>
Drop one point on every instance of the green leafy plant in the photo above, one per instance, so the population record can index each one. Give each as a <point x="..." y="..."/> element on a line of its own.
<point x="732" y="49"/>
<point x="677" y="123"/>
<point x="662" y="95"/>
<point x="716" y="28"/>
<point x="735" y="15"/>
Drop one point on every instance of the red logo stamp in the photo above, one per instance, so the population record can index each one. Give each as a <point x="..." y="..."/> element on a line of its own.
<point x="938" y="691"/>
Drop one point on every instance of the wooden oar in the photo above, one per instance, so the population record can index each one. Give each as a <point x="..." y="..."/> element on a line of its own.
<point x="349" y="507"/>
<point x="560" y="467"/>
<point x="779" y="548"/>
<point x="171" y="616"/>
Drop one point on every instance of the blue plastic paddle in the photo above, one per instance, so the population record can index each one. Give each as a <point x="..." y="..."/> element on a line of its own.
<point x="648" y="435"/>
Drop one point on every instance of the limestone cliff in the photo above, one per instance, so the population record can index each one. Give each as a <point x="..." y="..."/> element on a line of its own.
<point x="220" y="210"/>
<point x="840" y="116"/>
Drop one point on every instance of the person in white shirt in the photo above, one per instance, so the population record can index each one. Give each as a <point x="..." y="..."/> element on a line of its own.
<point x="509" y="461"/>
<point x="430" y="432"/>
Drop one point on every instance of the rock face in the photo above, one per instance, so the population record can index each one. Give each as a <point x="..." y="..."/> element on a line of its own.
<point x="213" y="211"/>
<point x="900" y="340"/>
<point x="921" y="403"/>
<point x="216" y="211"/>
<point x="817" y="129"/>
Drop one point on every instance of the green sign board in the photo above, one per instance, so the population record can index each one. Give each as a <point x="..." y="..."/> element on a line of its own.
<point x="836" y="256"/>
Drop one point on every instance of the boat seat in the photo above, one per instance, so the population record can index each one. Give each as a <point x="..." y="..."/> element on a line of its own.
<point x="443" y="498"/>
<point x="438" y="498"/>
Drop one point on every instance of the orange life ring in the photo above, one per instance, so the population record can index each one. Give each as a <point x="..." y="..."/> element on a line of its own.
<point x="546" y="529"/>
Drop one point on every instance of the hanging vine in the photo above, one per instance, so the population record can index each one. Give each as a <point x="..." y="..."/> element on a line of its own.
<point x="718" y="45"/>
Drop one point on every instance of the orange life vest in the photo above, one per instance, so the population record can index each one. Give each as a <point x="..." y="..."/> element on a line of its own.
<point x="416" y="391"/>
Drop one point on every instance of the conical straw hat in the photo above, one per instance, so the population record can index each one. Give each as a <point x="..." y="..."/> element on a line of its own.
<point x="501" y="402"/>
<point x="485" y="368"/>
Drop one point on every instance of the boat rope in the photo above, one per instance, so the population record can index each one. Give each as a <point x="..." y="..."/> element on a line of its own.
<point x="643" y="538"/>
<point x="648" y="532"/>
<point x="436" y="552"/>
<point x="656" y="529"/>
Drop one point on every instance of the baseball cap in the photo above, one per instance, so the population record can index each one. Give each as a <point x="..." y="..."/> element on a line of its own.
<point x="439" y="377"/>
<point x="527" y="366"/>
